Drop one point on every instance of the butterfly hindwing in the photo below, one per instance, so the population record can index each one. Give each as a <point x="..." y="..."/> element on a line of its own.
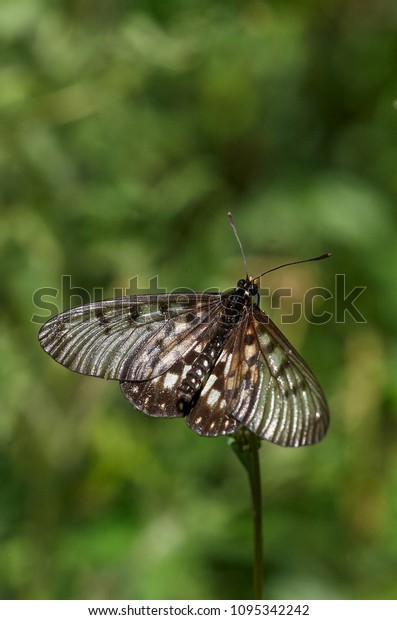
<point x="158" y="397"/>
<point x="211" y="416"/>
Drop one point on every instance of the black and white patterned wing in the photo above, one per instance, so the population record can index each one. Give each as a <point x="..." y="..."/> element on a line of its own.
<point x="159" y="396"/>
<point x="130" y="338"/>
<point x="212" y="416"/>
<point x="270" y="389"/>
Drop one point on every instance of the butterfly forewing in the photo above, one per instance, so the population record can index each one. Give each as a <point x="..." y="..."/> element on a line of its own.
<point x="288" y="406"/>
<point x="130" y="338"/>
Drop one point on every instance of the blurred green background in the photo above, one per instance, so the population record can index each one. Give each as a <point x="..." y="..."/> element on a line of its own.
<point x="128" y="130"/>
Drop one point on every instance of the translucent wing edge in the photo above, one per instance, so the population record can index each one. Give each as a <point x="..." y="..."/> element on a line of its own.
<point x="305" y="429"/>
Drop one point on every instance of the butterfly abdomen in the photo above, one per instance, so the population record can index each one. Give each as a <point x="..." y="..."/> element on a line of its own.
<point x="200" y="370"/>
<point x="198" y="374"/>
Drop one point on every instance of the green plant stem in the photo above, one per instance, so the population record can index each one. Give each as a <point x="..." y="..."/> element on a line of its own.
<point x="246" y="446"/>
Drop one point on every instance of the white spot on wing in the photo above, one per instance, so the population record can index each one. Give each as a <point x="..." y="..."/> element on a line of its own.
<point x="228" y="364"/>
<point x="249" y="350"/>
<point x="170" y="380"/>
<point x="211" y="380"/>
<point x="213" y="397"/>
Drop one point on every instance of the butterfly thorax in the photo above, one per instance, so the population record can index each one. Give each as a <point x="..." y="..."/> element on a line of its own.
<point x="237" y="300"/>
<point x="235" y="305"/>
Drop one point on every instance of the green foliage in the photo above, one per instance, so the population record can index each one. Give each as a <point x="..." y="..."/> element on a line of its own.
<point x="129" y="129"/>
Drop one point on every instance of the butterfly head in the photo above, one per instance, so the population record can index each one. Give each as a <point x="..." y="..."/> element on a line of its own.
<point x="249" y="286"/>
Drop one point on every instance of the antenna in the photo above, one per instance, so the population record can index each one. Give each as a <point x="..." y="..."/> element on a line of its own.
<point x="295" y="262"/>
<point x="233" y="225"/>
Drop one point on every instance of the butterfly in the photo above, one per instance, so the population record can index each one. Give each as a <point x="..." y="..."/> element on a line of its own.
<point x="215" y="359"/>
